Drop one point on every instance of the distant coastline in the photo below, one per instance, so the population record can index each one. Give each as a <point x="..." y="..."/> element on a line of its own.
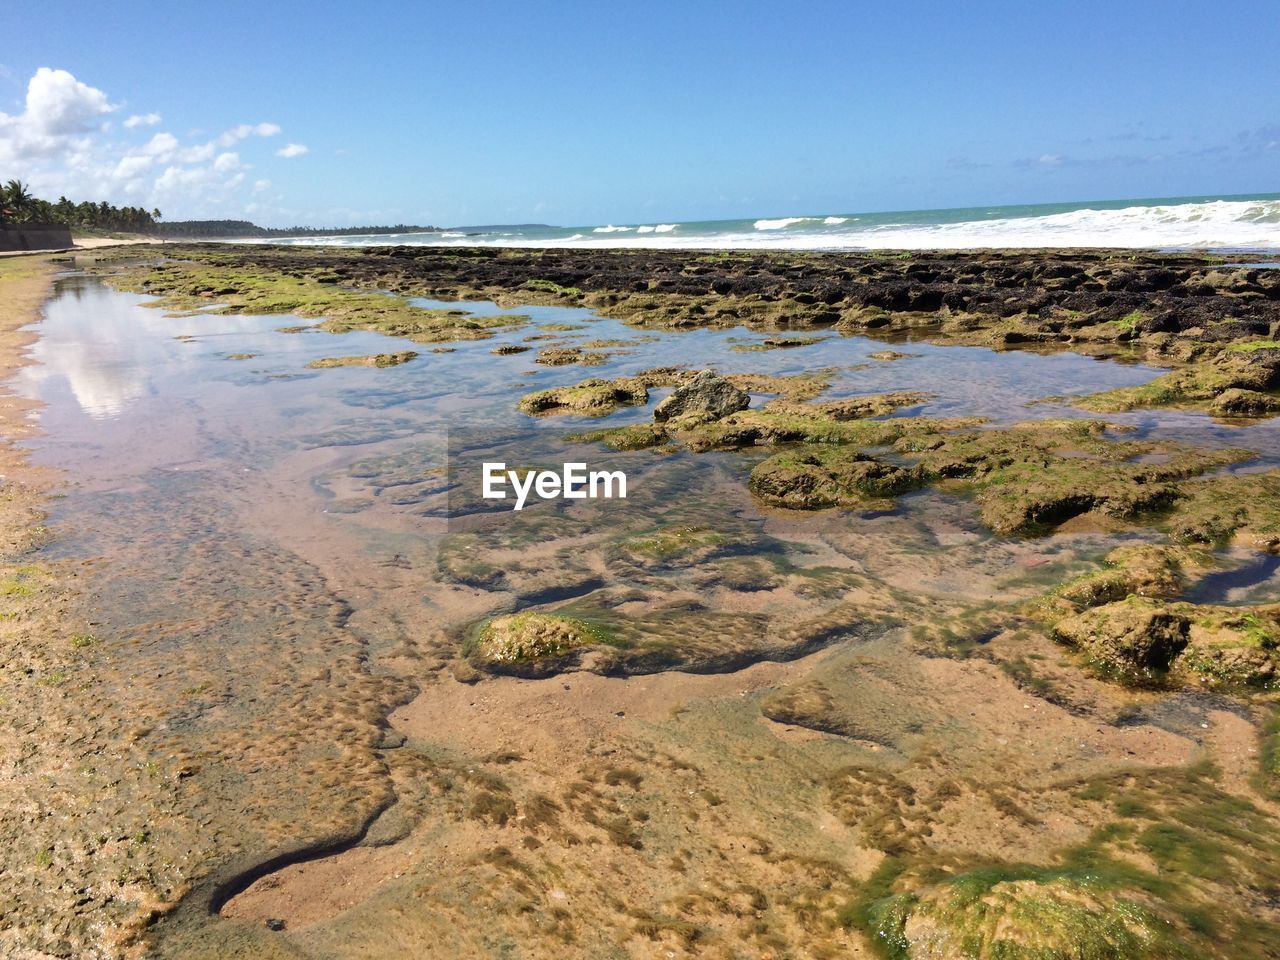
<point x="246" y="230"/>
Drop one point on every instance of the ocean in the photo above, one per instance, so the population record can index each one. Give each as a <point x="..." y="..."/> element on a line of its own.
<point x="1219" y="223"/>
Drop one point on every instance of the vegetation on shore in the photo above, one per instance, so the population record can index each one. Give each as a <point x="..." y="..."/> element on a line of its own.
<point x="19" y="206"/>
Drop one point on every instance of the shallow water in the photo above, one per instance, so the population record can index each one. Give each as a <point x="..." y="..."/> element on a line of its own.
<point x="286" y="555"/>
<point x="151" y="419"/>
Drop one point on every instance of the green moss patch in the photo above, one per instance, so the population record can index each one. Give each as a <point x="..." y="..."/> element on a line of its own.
<point x="375" y="360"/>
<point x="525" y="638"/>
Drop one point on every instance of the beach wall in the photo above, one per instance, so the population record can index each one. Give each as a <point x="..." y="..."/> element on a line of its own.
<point x="44" y="236"/>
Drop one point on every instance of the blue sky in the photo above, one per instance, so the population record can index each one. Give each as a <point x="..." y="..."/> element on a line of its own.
<point x="585" y="113"/>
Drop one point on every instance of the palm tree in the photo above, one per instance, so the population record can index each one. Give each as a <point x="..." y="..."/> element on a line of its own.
<point x="15" y="201"/>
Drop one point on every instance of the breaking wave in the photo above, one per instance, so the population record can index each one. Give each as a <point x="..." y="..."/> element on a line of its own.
<point x="1230" y="223"/>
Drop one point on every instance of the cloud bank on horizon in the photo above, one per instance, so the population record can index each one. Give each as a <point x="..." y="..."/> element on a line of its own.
<point x="66" y="142"/>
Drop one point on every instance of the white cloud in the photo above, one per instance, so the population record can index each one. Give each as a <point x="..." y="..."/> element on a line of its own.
<point x="130" y="168"/>
<point x="61" y="144"/>
<point x="142" y="120"/>
<point x="246" y="130"/>
<point x="292" y="150"/>
<point x="60" y="105"/>
<point x="227" y="162"/>
<point x="162" y="145"/>
<point x="58" y="108"/>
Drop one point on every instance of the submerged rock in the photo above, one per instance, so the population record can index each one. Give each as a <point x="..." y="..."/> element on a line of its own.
<point x="1133" y="638"/>
<point x="532" y="643"/>
<point x="1145" y="570"/>
<point x="979" y="916"/>
<point x="704" y="398"/>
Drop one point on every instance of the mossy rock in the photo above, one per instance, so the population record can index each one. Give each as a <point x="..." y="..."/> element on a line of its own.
<point x="1051" y="918"/>
<point x="378" y="360"/>
<point x="564" y="356"/>
<point x="691" y="542"/>
<point x="1244" y="403"/>
<point x="1026" y="497"/>
<point x="590" y="397"/>
<point x="1241" y="507"/>
<point x="1144" y="570"/>
<point x="637" y="436"/>
<point x="1231" y="645"/>
<point x="817" y="477"/>
<point x="532" y="644"/>
<point x="596" y="397"/>
<point x="215" y="285"/>
<point x="1133" y="639"/>
<point x="1196" y="385"/>
<point x="853" y="408"/>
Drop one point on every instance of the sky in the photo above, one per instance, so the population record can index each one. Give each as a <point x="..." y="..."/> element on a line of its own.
<point x="580" y="113"/>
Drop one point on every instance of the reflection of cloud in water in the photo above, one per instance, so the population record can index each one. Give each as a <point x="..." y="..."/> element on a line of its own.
<point x="107" y="350"/>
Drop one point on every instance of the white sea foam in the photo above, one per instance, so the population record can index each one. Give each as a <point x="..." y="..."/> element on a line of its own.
<point x="1214" y="224"/>
<point x="611" y="229"/>
<point x="780" y="223"/>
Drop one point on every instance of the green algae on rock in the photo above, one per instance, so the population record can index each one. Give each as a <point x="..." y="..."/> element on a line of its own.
<point x="1230" y="645"/>
<point x="1233" y="378"/>
<point x="852" y="408"/>
<point x="775" y="343"/>
<point x="1243" y="507"/>
<point x="693" y="542"/>
<point x="186" y="286"/>
<point x="815" y="477"/>
<point x="1140" y="640"/>
<point x="1132" y="639"/>
<point x="594" y="397"/>
<point x="1154" y="571"/>
<point x="524" y="641"/>
<point x="1064" y="917"/>
<point x="564" y="356"/>
<point x="375" y="360"/>
<point x="637" y="436"/>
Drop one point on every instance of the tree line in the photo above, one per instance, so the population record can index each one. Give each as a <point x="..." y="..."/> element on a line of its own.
<point x="193" y="229"/>
<point x="18" y="205"/>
